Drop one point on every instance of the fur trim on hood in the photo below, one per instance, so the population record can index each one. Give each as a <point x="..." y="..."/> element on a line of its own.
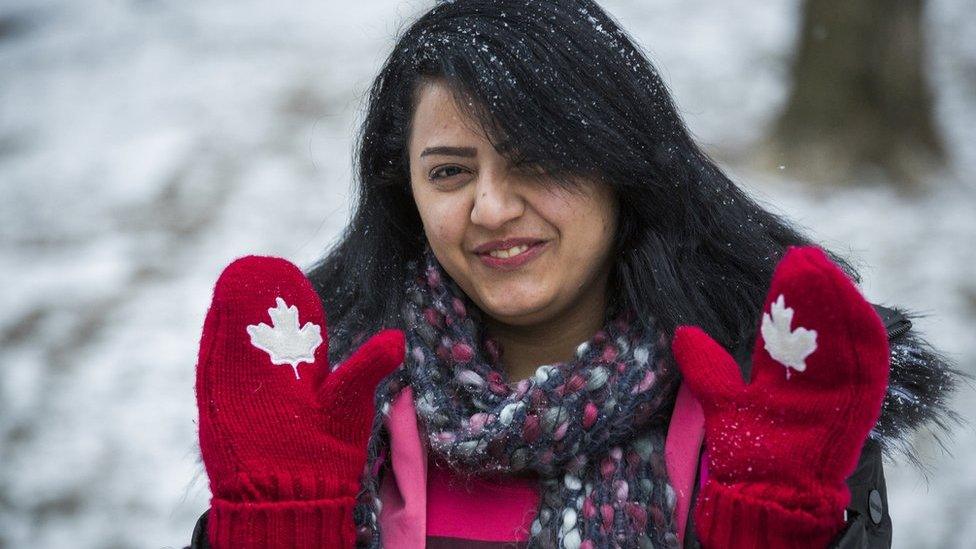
<point x="921" y="384"/>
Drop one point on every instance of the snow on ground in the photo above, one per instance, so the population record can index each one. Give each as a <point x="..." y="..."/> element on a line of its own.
<point x="144" y="145"/>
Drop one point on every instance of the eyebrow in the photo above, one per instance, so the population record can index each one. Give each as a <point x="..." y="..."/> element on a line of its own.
<point x="468" y="152"/>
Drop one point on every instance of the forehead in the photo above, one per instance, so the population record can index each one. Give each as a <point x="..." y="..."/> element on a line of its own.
<point x="437" y="120"/>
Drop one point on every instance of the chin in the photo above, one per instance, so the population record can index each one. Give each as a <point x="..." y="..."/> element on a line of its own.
<point x="514" y="312"/>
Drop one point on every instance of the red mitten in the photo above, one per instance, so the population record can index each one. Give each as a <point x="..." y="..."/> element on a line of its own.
<point x="283" y="438"/>
<point x="781" y="447"/>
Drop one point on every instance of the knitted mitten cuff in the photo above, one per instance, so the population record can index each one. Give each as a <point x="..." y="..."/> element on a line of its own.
<point x="752" y="515"/>
<point x="282" y="524"/>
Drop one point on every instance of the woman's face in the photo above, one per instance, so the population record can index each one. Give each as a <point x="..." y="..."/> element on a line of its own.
<point x="470" y="199"/>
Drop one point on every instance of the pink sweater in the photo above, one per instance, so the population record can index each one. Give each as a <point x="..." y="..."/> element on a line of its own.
<point x="486" y="512"/>
<point x="424" y="504"/>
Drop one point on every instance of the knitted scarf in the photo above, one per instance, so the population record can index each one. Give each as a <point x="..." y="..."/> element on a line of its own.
<point x="592" y="428"/>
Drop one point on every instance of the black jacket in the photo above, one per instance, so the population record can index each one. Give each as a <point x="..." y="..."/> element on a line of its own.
<point x="920" y="384"/>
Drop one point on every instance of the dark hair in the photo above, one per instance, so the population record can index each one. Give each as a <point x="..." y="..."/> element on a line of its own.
<point x="559" y="85"/>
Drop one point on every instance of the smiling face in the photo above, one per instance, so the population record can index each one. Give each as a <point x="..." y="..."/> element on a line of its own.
<point x="471" y="199"/>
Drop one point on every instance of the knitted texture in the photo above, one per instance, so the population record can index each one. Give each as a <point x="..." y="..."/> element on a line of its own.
<point x="781" y="446"/>
<point x="593" y="428"/>
<point x="283" y="446"/>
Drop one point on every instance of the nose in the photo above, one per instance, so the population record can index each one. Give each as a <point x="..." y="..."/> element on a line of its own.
<point x="496" y="202"/>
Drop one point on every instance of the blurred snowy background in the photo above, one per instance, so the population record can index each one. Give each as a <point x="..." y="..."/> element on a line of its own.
<point x="145" y="144"/>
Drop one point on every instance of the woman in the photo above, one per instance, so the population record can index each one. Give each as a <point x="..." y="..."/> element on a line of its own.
<point x="541" y="235"/>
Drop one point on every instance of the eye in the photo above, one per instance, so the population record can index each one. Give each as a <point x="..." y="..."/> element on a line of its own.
<point x="445" y="171"/>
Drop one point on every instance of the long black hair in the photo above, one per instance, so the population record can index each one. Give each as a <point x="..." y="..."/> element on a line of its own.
<point x="557" y="84"/>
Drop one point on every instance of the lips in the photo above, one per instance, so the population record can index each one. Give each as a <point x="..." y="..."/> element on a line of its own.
<point x="515" y="262"/>
<point x="506" y="244"/>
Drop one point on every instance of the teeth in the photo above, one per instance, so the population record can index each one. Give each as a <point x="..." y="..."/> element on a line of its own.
<point x="509" y="252"/>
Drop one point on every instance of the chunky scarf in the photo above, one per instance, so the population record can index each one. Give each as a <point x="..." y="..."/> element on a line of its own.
<point x="593" y="428"/>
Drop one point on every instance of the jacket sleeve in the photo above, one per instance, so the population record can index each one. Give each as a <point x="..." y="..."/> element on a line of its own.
<point x="199" y="538"/>
<point x="868" y="522"/>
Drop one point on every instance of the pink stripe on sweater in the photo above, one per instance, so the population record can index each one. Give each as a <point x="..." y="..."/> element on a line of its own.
<point x="403" y="491"/>
<point x="681" y="452"/>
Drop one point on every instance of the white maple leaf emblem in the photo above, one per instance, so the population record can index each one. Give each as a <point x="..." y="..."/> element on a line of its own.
<point x="789" y="348"/>
<point x="284" y="342"/>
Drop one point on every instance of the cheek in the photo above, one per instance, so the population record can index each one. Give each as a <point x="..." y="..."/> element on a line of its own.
<point x="444" y="218"/>
<point x="586" y="232"/>
<point x="585" y="226"/>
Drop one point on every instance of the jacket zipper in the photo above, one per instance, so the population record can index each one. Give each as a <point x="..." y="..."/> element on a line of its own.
<point x="899" y="328"/>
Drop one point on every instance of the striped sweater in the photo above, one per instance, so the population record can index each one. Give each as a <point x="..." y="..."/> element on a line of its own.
<point x="426" y="504"/>
<point x="481" y="513"/>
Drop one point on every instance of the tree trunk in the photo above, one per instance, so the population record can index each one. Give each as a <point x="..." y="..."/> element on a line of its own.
<point x="860" y="102"/>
